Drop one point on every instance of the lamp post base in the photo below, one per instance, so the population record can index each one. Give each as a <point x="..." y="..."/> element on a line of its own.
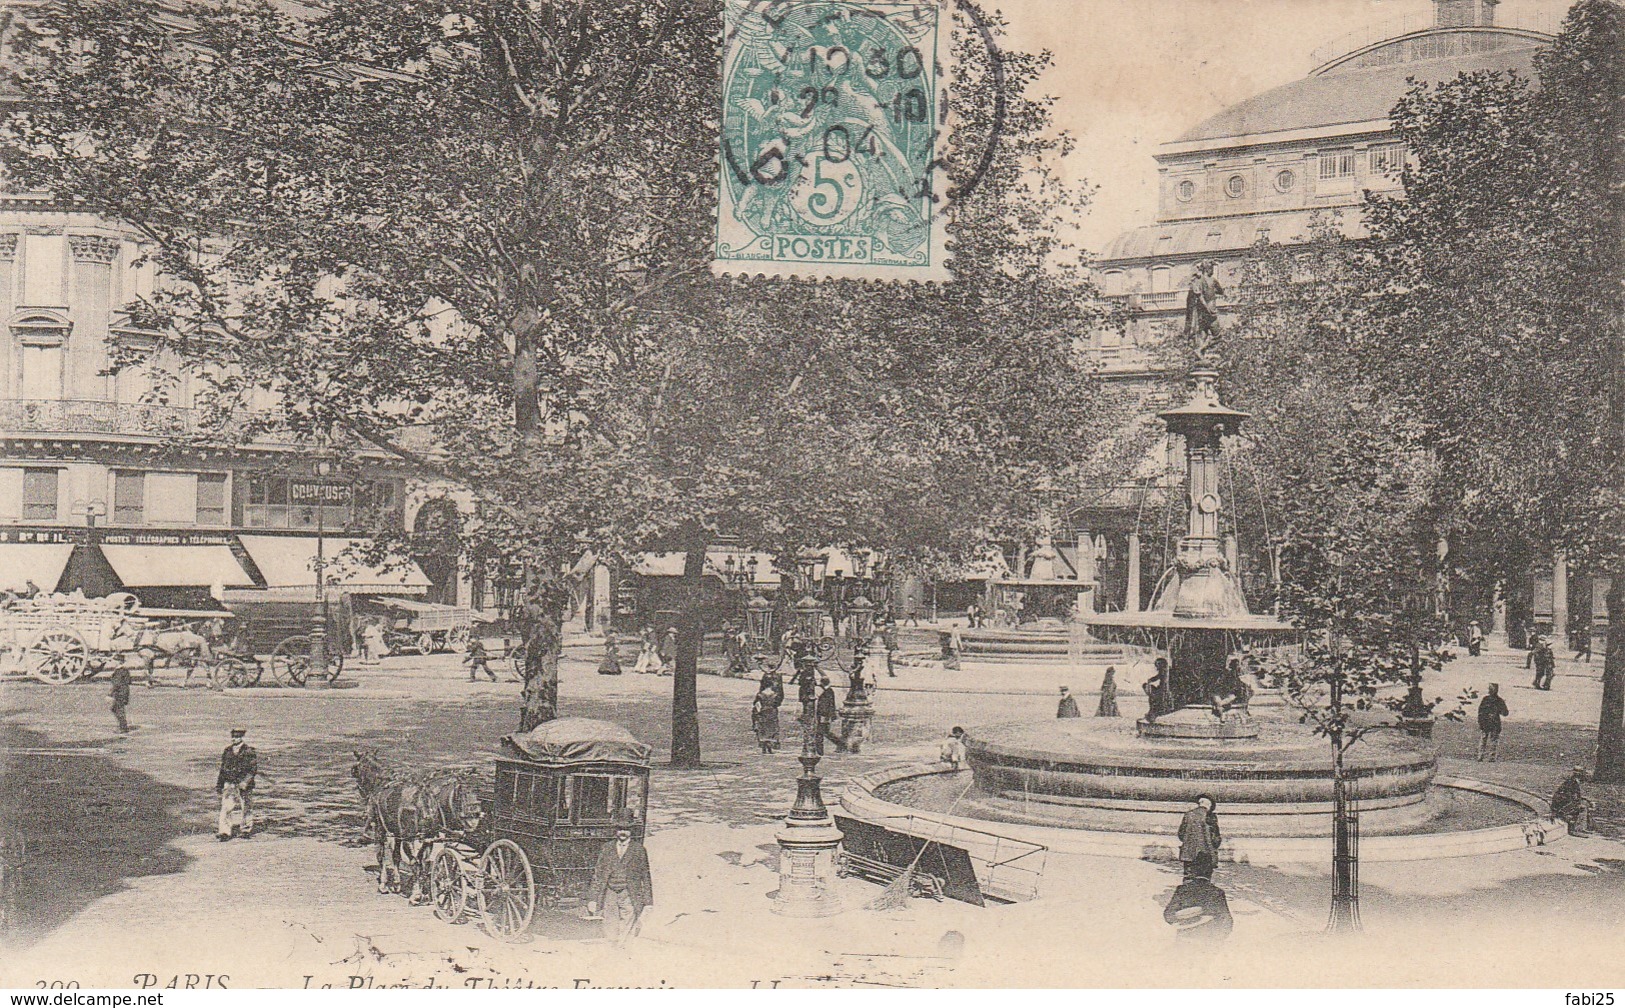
<point x="807" y="843"/>
<point x="807" y="870"/>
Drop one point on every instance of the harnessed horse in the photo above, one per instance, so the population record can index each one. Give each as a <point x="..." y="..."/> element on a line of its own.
<point x="405" y="811"/>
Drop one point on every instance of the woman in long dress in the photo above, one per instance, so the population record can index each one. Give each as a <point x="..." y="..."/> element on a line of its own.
<point x="1108" y="695"/>
<point x="764" y="718"/>
<point x="648" y="655"/>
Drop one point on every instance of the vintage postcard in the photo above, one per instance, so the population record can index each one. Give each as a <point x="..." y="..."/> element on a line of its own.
<point x="776" y="494"/>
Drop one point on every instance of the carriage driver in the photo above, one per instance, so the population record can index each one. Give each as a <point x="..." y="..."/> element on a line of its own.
<point x="235" y="786"/>
<point x="621" y="886"/>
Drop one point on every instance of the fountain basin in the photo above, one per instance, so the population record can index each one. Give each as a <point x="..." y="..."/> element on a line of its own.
<point x="1465" y="818"/>
<point x="1097" y="773"/>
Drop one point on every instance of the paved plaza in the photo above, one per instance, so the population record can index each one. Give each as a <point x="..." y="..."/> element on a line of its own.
<point x="120" y="852"/>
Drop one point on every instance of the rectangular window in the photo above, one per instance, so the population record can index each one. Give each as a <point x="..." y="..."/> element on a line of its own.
<point x="42" y="372"/>
<point x="39" y="494"/>
<point x="591" y="801"/>
<point x="172" y="498"/>
<point x="129" y="498"/>
<point x="211" y="499"/>
<point x="1337" y="164"/>
<point x="1387" y="158"/>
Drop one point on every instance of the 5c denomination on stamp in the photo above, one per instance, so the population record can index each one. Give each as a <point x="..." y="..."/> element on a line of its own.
<point x="830" y="142"/>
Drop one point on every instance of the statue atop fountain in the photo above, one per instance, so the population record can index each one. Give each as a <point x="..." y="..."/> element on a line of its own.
<point x="1199" y="616"/>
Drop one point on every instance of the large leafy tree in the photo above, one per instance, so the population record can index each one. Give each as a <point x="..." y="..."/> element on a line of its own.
<point x="1456" y="373"/>
<point x="1497" y="321"/>
<point x="473" y="236"/>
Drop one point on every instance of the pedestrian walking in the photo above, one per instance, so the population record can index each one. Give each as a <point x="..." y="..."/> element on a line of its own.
<point x="1199" y="838"/>
<point x="377" y="643"/>
<point x="1582" y="644"/>
<point x="1475" y="638"/>
<point x="1068" y="707"/>
<point x="621" y="889"/>
<point x="648" y="652"/>
<point x="1108" y="695"/>
<point x="1491" y="710"/>
<point x="477" y="660"/>
<point x="1570" y="804"/>
<point x="764" y="717"/>
<point x="668" y="651"/>
<point x="912" y="616"/>
<point x="239" y="765"/>
<point x="953" y="750"/>
<point x="121" y="695"/>
<point x="826" y="710"/>
<point x="1544" y="659"/>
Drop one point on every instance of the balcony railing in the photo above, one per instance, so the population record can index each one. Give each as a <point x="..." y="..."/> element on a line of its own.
<point x="100" y="416"/>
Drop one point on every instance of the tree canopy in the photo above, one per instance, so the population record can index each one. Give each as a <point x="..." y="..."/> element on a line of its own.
<point x="473" y="236"/>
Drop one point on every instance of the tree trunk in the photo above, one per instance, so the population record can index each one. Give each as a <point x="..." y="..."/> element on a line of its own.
<point x="1611" y="724"/>
<point x="527" y="408"/>
<point x="685" y="705"/>
<point x="542" y="627"/>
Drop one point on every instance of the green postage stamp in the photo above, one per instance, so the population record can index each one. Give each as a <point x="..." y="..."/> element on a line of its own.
<point x="832" y="124"/>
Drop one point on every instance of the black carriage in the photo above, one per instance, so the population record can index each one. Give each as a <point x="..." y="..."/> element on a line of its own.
<point x="542" y="826"/>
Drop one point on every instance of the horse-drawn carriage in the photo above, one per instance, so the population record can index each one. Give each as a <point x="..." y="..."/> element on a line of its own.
<point x="492" y="852"/>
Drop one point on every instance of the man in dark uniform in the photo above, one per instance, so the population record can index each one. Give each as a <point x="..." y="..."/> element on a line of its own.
<point x="235" y="786"/>
<point x="1199" y="838"/>
<point x="477" y="660"/>
<point x="1068" y="705"/>
<point x="621" y="887"/>
<point x="1570" y="804"/>
<point x="1491" y="710"/>
<point x="121" y="695"/>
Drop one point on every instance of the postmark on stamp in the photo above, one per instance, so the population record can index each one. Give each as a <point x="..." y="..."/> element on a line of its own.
<point x="830" y="146"/>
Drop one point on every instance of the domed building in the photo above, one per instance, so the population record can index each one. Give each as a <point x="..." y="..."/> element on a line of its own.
<point x="1263" y="169"/>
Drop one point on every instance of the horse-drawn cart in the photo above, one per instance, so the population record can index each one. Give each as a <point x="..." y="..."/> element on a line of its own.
<point x="536" y="835"/>
<point x="60" y="638"/>
<point x="424" y="627"/>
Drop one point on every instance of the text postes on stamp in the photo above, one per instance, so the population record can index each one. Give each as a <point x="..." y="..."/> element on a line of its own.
<point x="829" y="147"/>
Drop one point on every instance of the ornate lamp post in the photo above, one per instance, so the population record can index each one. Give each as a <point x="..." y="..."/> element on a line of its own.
<point x="808" y="838"/>
<point x="324" y="468"/>
<point x="759" y="622"/>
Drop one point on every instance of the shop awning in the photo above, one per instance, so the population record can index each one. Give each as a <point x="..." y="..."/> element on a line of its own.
<point x="41" y="563"/>
<point x="197" y="566"/>
<point x="290" y="561"/>
<point x="186" y="602"/>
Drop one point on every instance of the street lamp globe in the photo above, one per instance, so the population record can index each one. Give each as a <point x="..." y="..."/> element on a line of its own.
<point x="860" y="614"/>
<point x="759" y="619"/>
<point x="809" y="618"/>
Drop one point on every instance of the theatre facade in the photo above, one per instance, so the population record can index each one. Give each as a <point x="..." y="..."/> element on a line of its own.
<point x="1264" y="172"/>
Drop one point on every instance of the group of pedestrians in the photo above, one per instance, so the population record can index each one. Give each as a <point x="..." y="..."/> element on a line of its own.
<point x="657" y="653"/>
<point x="1107" y="707"/>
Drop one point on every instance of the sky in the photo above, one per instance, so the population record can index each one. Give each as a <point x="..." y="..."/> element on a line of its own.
<point x="1132" y="74"/>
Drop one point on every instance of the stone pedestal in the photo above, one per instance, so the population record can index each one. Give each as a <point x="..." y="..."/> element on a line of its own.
<point x="807" y="845"/>
<point x="1198" y="722"/>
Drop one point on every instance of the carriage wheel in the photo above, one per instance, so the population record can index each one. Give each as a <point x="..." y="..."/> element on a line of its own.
<point x="290" y="660"/>
<point x="426" y="643"/>
<point x="457" y="640"/>
<point x="57" y="656"/>
<point x="449" y="887"/>
<point x="241" y="674"/>
<point x="507" y="892"/>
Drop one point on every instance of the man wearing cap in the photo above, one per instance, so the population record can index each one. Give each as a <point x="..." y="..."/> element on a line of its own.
<point x="235" y="786"/>
<point x="1068" y="707"/>
<point x="621" y="887"/>
<point x="827" y="710"/>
